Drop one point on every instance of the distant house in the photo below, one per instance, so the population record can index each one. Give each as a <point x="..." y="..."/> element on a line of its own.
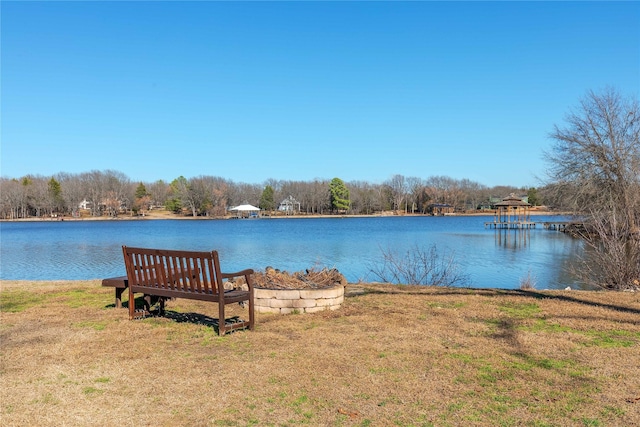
<point x="493" y="200"/>
<point x="289" y="205"/>
<point x="85" y="204"/>
<point x="439" y="209"/>
<point x="109" y="204"/>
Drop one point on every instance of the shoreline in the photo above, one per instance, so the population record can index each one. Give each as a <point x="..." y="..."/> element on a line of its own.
<point x="351" y="287"/>
<point x="164" y="215"/>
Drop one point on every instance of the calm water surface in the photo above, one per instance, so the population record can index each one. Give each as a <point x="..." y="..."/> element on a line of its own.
<point x="79" y="250"/>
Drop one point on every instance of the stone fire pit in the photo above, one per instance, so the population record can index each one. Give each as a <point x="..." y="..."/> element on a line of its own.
<point x="301" y="292"/>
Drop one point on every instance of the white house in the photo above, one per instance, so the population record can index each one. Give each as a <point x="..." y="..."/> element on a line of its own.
<point x="85" y="204"/>
<point x="289" y="205"/>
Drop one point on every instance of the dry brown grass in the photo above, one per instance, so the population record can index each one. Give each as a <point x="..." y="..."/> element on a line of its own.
<point x="392" y="355"/>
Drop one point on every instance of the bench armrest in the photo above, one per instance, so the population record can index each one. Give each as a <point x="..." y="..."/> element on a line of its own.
<point x="246" y="273"/>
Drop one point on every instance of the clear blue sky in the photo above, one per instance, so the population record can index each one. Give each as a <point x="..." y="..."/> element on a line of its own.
<point x="300" y="90"/>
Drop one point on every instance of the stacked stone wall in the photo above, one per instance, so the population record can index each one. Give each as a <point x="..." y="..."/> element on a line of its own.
<point x="285" y="301"/>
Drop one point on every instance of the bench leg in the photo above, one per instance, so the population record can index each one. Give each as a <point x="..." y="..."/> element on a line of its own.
<point x="119" y="292"/>
<point x="147" y="303"/>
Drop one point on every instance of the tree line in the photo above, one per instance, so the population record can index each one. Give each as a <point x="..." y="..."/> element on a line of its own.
<point x="112" y="193"/>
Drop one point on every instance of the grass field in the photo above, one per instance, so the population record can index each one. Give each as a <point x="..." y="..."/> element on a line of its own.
<point x="391" y="356"/>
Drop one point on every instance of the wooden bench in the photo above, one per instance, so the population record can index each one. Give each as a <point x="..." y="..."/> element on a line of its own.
<point x="186" y="274"/>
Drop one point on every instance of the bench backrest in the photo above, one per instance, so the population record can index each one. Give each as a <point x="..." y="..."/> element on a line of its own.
<point x="182" y="271"/>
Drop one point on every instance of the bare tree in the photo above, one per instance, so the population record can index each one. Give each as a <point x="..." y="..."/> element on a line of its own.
<point x="414" y="187"/>
<point x="475" y="193"/>
<point x="303" y="194"/>
<point x="363" y="197"/>
<point x="217" y="191"/>
<point x="119" y="193"/>
<point x="39" y="198"/>
<point x="595" y="160"/>
<point x="182" y="191"/>
<point x="242" y="192"/>
<point x="73" y="191"/>
<point x="424" y="199"/>
<point x="94" y="190"/>
<point x="595" y="167"/>
<point x="444" y="189"/>
<point x="612" y="258"/>
<point x="158" y="192"/>
<point x="398" y="186"/>
<point x="12" y="193"/>
<point x="319" y="197"/>
<point x="420" y="266"/>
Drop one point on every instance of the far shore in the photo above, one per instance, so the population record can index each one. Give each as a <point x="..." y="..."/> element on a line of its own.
<point x="166" y="215"/>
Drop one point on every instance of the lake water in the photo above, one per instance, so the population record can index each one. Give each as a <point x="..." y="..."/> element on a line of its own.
<point x="80" y="250"/>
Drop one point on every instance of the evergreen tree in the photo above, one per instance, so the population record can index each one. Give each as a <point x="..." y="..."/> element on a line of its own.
<point x="141" y="191"/>
<point x="55" y="193"/>
<point x="533" y="197"/>
<point x="339" y="194"/>
<point x="176" y="189"/>
<point x="267" y="201"/>
<point x="142" y="202"/>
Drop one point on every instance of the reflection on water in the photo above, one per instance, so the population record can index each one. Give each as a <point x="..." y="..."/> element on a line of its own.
<point x="74" y="250"/>
<point x="546" y="255"/>
<point x="512" y="238"/>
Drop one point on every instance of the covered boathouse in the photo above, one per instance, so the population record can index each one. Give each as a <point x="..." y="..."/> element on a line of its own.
<point x="512" y="212"/>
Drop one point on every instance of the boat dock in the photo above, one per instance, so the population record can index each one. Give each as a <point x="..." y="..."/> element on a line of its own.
<point x="548" y="225"/>
<point x="514" y="213"/>
<point x="556" y="225"/>
<point x="510" y="225"/>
